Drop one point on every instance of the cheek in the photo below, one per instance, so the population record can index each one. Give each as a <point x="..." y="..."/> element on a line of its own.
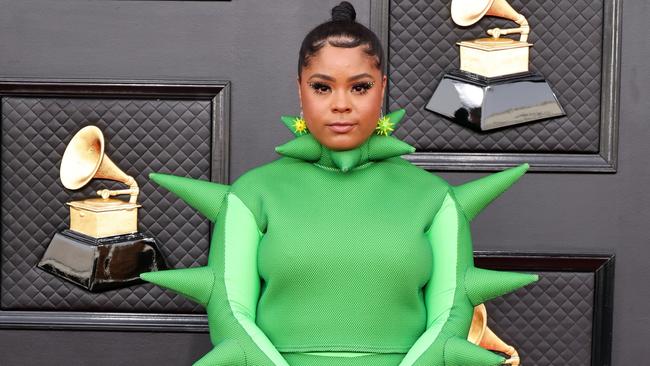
<point x="313" y="106"/>
<point x="370" y="108"/>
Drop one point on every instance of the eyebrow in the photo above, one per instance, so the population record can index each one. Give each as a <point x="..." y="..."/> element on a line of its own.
<point x="352" y="78"/>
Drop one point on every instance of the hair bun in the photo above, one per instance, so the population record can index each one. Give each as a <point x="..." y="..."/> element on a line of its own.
<point x="344" y="12"/>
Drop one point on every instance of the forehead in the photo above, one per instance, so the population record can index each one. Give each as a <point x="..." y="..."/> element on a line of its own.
<point x="340" y="61"/>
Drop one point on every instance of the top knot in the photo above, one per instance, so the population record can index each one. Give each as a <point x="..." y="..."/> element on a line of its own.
<point x="344" y="12"/>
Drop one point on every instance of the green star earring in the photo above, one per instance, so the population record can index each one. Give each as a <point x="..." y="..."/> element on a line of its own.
<point x="386" y="124"/>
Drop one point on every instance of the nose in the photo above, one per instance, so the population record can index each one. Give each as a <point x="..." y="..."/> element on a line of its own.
<point x="341" y="102"/>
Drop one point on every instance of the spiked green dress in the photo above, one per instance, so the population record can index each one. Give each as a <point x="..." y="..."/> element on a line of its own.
<point x="341" y="258"/>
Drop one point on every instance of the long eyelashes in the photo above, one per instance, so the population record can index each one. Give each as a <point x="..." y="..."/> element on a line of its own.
<point x="320" y="88"/>
<point x="362" y="88"/>
<point x="358" y="88"/>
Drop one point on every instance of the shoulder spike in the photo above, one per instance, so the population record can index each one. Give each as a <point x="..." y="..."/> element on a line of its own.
<point x="474" y="196"/>
<point x="204" y="196"/>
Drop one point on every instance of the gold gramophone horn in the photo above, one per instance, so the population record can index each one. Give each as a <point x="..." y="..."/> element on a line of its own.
<point x="84" y="159"/>
<point x="468" y="12"/>
<point x="482" y="335"/>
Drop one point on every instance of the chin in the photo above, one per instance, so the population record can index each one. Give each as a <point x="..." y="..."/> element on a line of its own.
<point x="341" y="144"/>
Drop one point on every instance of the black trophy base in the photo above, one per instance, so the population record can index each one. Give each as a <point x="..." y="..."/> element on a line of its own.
<point x="101" y="264"/>
<point x="489" y="103"/>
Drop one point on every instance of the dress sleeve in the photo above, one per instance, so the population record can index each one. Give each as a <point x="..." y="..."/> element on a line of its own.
<point x="233" y="302"/>
<point x="449" y="311"/>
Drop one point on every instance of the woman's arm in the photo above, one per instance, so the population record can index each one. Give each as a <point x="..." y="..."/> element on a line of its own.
<point x="448" y="309"/>
<point x="229" y="285"/>
<point x="456" y="286"/>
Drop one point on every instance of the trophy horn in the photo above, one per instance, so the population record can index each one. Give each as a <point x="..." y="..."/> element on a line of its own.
<point x="468" y="12"/>
<point x="482" y="335"/>
<point x="84" y="159"/>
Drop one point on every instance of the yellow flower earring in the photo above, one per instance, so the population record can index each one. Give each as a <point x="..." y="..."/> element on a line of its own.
<point x="299" y="125"/>
<point x="296" y="124"/>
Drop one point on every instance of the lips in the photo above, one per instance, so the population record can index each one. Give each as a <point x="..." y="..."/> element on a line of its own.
<point x="341" y="127"/>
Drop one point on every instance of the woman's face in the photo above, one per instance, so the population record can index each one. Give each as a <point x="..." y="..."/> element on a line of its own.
<point x="341" y="94"/>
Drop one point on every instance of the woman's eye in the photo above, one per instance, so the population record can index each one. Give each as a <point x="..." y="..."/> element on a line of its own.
<point x="320" y="88"/>
<point x="362" y="88"/>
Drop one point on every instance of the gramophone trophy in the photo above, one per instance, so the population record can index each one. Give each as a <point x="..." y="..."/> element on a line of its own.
<point x="494" y="87"/>
<point x="481" y="335"/>
<point x="103" y="249"/>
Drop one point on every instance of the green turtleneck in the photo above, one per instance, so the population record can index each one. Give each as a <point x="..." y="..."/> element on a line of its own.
<point x="343" y="250"/>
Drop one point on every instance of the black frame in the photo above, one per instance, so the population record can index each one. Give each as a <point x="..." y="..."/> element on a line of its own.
<point x="218" y="92"/>
<point x="601" y="265"/>
<point x="605" y="161"/>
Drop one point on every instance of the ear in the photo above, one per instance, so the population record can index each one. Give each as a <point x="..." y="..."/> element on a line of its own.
<point x="383" y="86"/>
<point x="299" y="94"/>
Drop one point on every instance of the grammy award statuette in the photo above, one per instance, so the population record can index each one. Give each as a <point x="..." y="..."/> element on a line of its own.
<point x="494" y="87"/>
<point x="103" y="249"/>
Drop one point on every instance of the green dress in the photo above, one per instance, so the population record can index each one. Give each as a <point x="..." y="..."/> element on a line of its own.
<point x="341" y="258"/>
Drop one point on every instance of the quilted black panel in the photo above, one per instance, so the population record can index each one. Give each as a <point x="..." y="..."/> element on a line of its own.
<point x="549" y="322"/>
<point x="143" y="135"/>
<point x="567" y="38"/>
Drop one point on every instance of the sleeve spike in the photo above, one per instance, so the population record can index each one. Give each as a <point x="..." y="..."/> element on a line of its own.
<point x="483" y="284"/>
<point x="204" y="196"/>
<point x="195" y="283"/>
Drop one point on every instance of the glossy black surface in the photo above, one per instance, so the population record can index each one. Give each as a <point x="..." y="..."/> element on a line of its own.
<point x="101" y="264"/>
<point x="490" y="103"/>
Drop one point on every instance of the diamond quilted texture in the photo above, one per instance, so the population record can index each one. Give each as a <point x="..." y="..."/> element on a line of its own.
<point x="142" y="135"/>
<point x="549" y="322"/>
<point x="567" y="38"/>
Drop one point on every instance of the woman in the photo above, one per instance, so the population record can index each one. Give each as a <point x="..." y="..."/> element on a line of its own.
<point x="341" y="252"/>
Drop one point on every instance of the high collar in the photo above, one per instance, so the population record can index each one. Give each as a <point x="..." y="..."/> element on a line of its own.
<point x="375" y="148"/>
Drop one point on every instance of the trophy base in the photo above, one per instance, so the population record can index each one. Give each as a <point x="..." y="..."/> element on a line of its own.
<point x="100" y="264"/>
<point x="494" y="57"/>
<point x="490" y="103"/>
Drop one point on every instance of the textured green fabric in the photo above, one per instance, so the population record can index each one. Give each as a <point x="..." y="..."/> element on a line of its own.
<point x="318" y="249"/>
<point x="356" y="251"/>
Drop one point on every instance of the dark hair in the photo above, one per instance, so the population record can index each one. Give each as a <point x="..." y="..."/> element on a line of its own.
<point x="341" y="31"/>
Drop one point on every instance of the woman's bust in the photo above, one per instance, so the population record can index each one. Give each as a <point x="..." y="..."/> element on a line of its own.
<point x="340" y="252"/>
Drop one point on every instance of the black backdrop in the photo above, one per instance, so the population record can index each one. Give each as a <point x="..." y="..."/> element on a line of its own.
<point x="255" y="48"/>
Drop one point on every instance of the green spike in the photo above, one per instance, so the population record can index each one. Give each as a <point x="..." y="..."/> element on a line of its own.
<point x="304" y="147"/>
<point x="384" y="147"/>
<point x="206" y="197"/>
<point x="347" y="159"/>
<point x="290" y="121"/>
<point x="460" y="352"/>
<point x="194" y="283"/>
<point x="396" y="116"/>
<point x="226" y="353"/>
<point x="483" y="284"/>
<point x="476" y="195"/>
